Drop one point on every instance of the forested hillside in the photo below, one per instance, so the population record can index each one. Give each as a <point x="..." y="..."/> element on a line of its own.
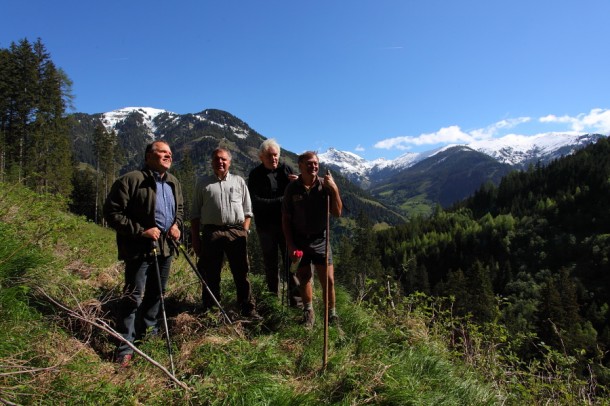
<point x="532" y="252"/>
<point x="443" y="178"/>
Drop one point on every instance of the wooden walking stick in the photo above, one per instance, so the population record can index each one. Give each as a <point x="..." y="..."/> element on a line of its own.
<point x="326" y="260"/>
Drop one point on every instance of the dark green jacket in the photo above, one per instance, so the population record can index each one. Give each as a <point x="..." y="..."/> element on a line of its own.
<point x="130" y="209"/>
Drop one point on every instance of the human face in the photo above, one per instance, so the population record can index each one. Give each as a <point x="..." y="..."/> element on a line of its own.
<point x="221" y="163"/>
<point x="310" y="166"/>
<point x="270" y="158"/>
<point x="160" y="158"/>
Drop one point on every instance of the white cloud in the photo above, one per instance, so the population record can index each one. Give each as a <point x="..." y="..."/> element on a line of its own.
<point x="359" y="148"/>
<point x="597" y="120"/>
<point x="450" y="135"/>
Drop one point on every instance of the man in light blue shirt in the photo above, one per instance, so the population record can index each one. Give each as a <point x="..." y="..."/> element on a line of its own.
<point x="220" y="223"/>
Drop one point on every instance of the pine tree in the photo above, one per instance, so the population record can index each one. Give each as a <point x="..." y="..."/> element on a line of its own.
<point x="344" y="260"/>
<point x="369" y="270"/>
<point x="36" y="150"/>
<point x="21" y="79"/>
<point x="105" y="148"/>
<point x="551" y="314"/>
<point x="480" y="298"/>
<point x="5" y="104"/>
<point x="185" y="172"/>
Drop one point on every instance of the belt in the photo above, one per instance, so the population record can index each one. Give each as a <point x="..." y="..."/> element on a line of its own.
<point x="224" y="227"/>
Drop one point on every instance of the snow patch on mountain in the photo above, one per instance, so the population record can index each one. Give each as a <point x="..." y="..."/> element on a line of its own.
<point x="516" y="149"/>
<point x="148" y="114"/>
<point x="112" y="118"/>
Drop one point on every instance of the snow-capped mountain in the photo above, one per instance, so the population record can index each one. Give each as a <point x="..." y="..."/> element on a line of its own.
<point x="515" y="150"/>
<point x="112" y="118"/>
<point x="519" y="150"/>
<point x="152" y="119"/>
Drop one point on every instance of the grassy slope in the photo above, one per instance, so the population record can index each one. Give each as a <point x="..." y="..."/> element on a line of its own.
<point x="375" y="357"/>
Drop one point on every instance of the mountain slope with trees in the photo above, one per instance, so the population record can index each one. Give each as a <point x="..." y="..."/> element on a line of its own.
<point x="532" y="252"/>
<point x="444" y="178"/>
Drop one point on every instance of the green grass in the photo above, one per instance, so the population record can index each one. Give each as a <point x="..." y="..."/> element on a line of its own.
<point x="376" y="355"/>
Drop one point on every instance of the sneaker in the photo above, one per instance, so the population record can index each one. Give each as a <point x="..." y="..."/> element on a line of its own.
<point x="308" y="318"/>
<point x="124" y="361"/>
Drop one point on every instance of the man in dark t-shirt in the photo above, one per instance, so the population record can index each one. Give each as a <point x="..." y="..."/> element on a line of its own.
<point x="307" y="203"/>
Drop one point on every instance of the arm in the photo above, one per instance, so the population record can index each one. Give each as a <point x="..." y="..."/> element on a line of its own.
<point x="287" y="229"/>
<point x="115" y="210"/>
<point x="336" y="205"/>
<point x="287" y="226"/>
<point x="174" y="231"/>
<point x="258" y="187"/>
<point x="247" y="207"/>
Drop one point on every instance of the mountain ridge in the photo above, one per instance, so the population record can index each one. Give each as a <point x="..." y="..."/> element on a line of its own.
<point x="517" y="151"/>
<point x="407" y="183"/>
<point x="193" y="137"/>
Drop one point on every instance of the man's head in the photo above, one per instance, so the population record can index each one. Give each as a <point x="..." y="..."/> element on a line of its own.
<point x="221" y="161"/>
<point x="308" y="163"/>
<point x="269" y="154"/>
<point x="158" y="156"/>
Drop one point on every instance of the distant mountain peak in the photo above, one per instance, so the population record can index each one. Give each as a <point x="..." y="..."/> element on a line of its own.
<point x="515" y="150"/>
<point x="149" y="116"/>
<point x="111" y="118"/>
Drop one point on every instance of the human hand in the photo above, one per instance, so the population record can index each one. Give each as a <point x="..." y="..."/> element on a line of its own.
<point x="174" y="232"/>
<point x="329" y="182"/>
<point x="153" y="233"/>
<point x="296" y="255"/>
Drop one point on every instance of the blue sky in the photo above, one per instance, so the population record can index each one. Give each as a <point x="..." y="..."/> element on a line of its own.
<point x="378" y="78"/>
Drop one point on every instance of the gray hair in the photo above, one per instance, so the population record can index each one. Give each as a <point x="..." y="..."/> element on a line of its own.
<point x="222" y="149"/>
<point x="269" y="143"/>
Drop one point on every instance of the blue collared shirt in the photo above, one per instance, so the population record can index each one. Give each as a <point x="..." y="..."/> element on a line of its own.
<point x="165" y="206"/>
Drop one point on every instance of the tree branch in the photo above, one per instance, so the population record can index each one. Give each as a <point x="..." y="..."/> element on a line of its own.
<point x="101" y="324"/>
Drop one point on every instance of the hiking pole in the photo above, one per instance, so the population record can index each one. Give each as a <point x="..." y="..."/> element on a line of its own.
<point x="169" y="343"/>
<point x="326" y="260"/>
<point x="203" y="282"/>
<point x="285" y="295"/>
<point x="285" y="285"/>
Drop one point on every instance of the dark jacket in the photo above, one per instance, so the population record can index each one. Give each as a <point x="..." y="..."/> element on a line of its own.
<point x="130" y="210"/>
<point x="266" y="192"/>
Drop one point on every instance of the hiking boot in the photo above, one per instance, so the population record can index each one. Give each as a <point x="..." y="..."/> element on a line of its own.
<point x="308" y="318"/>
<point x="124" y="361"/>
